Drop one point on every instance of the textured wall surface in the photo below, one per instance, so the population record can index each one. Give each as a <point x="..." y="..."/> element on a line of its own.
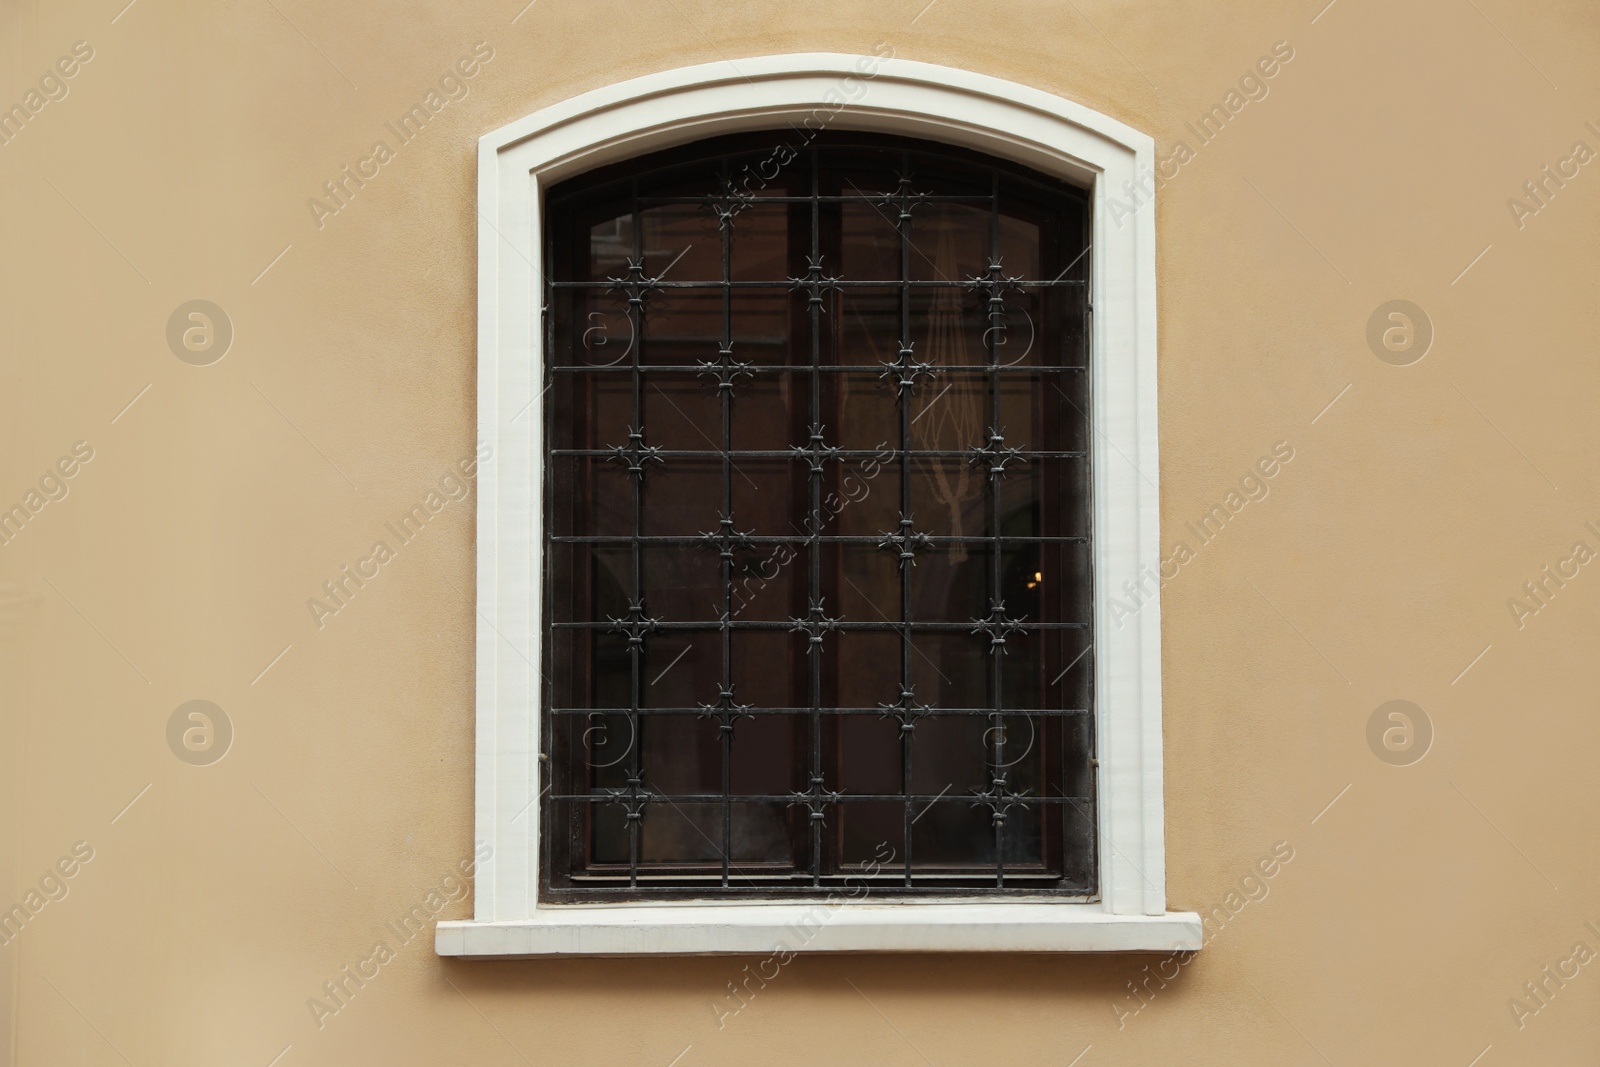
<point x="1385" y="161"/>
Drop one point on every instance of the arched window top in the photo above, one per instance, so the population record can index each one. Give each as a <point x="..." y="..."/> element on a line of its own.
<point x="873" y="93"/>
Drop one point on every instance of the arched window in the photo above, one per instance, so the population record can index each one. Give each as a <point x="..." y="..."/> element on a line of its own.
<point x="818" y="561"/>
<point x="815" y="505"/>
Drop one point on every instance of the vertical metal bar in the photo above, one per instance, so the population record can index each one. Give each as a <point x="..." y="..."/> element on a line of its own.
<point x="815" y="545"/>
<point x="636" y="648"/>
<point x="727" y="561"/>
<point x="906" y="341"/>
<point x="998" y="733"/>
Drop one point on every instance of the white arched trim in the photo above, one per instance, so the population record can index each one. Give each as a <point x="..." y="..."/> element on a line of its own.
<point x="515" y="165"/>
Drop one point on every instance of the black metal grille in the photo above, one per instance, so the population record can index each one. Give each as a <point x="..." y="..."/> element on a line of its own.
<point x="705" y="424"/>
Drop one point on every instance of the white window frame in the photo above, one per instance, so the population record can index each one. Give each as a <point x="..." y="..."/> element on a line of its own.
<point x="516" y="165"/>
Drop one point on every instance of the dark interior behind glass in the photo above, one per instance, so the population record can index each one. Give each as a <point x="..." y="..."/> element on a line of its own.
<point x="817" y="559"/>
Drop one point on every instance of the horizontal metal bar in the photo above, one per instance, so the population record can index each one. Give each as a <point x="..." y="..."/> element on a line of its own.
<point x="784" y="284"/>
<point x="875" y="627"/>
<point x="806" y="455"/>
<point x="779" y="873"/>
<point x="874" y="540"/>
<point x="708" y="200"/>
<point x="931" y="712"/>
<point x="621" y="369"/>
<point x="832" y="798"/>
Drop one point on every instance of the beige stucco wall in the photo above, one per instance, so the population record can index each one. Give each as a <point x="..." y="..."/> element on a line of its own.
<point x="1381" y="563"/>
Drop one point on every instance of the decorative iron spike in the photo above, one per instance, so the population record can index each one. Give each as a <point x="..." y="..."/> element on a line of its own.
<point x="903" y="200"/>
<point x="635" y="455"/>
<point x="995" y="284"/>
<point x="994" y="456"/>
<point x="906" y="710"/>
<point x="636" y="624"/>
<point x="636" y="284"/>
<point x="726" y="540"/>
<point x="905" y="542"/>
<point x="725" y="710"/>
<point x="816" y="453"/>
<point x="997" y="626"/>
<point x="815" y="282"/>
<point x="814" y="625"/>
<point x="999" y="798"/>
<point x="905" y="369"/>
<point x="725" y="370"/>
<point x="632" y="799"/>
<point x="816" y="799"/>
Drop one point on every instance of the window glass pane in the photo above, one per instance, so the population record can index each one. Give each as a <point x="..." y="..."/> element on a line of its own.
<point x="950" y="242"/>
<point x="682" y="243"/>
<point x="817" y="511"/>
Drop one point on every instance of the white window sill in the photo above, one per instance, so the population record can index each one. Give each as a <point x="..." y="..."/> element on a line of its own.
<point x="702" y="929"/>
